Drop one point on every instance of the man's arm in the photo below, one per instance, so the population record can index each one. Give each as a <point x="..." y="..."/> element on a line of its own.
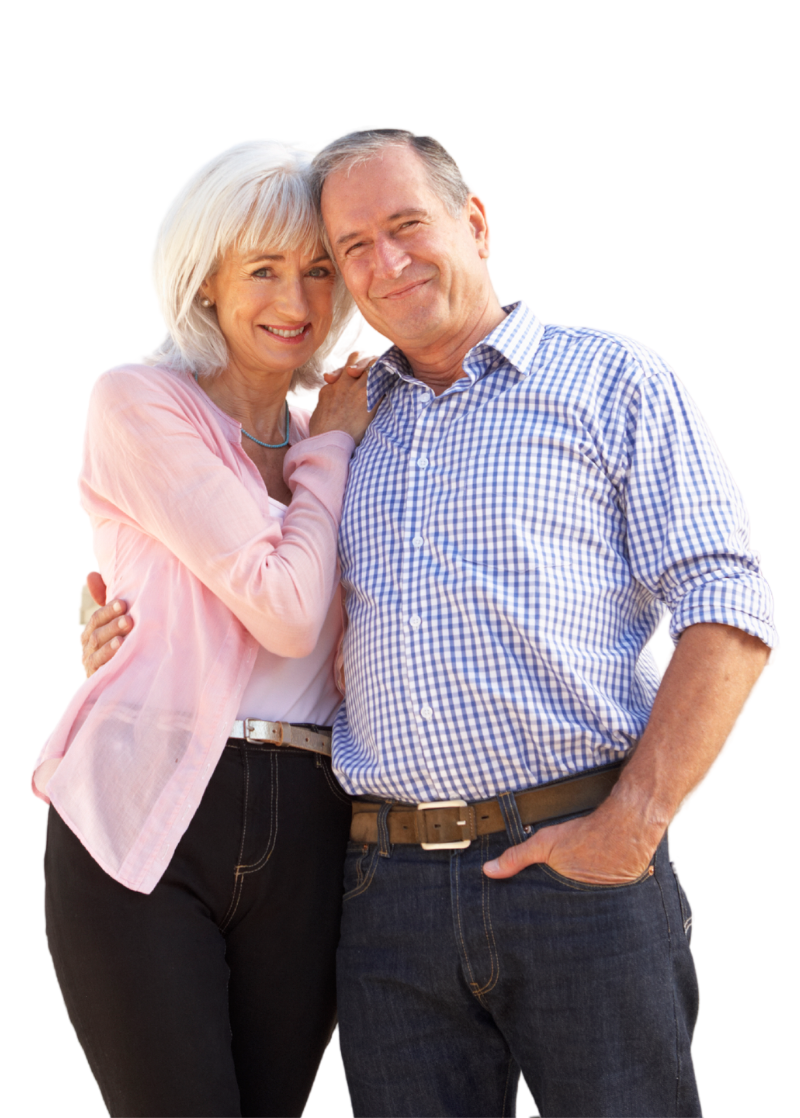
<point x="711" y="673"/>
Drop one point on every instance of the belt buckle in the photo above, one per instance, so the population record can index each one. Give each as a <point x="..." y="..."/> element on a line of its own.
<point x="461" y="823"/>
<point x="249" y="732"/>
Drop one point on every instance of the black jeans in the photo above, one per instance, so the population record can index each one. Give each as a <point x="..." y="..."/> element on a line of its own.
<point x="214" y="994"/>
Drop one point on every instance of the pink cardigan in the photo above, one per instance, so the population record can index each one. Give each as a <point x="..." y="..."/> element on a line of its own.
<point x="183" y="531"/>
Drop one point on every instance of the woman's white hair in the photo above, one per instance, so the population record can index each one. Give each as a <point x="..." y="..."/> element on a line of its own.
<point x="256" y="195"/>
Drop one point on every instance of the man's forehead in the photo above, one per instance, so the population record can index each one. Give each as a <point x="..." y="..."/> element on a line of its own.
<point x="391" y="181"/>
<point x="351" y="203"/>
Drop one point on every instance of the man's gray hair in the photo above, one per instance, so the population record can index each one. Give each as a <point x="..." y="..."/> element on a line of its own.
<point x="358" y="147"/>
<point x="256" y="195"/>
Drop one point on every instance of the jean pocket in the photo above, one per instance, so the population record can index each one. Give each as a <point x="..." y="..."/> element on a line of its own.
<point x="686" y="910"/>
<point x="587" y="886"/>
<point x="359" y="869"/>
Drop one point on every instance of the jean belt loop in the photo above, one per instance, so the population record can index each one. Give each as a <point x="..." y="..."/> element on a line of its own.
<point x="511" y="817"/>
<point x="384" y="847"/>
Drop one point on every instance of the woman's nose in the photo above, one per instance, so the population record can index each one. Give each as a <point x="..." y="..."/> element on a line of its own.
<point x="293" y="300"/>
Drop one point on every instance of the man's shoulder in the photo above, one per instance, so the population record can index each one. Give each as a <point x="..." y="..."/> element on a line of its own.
<point x="593" y="354"/>
<point x="613" y="342"/>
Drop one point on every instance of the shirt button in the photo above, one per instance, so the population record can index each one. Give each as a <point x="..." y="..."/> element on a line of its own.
<point x="427" y="713"/>
<point x="417" y="541"/>
<point x="415" y="622"/>
<point x="422" y="462"/>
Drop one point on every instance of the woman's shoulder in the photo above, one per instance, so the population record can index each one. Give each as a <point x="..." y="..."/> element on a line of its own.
<point x="137" y="381"/>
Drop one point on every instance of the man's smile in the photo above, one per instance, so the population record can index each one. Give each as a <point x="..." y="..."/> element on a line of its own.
<point x="403" y="291"/>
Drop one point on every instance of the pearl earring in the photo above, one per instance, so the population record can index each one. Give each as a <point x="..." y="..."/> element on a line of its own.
<point x="206" y="302"/>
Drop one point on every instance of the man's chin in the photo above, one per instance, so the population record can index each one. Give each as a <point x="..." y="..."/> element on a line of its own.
<point x="420" y="328"/>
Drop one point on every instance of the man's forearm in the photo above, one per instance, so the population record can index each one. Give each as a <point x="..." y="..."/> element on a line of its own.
<point x="711" y="673"/>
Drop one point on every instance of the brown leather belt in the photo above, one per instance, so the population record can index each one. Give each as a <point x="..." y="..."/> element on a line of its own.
<point x="453" y="824"/>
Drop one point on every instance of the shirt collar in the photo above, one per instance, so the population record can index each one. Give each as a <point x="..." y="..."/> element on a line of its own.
<point x="516" y="339"/>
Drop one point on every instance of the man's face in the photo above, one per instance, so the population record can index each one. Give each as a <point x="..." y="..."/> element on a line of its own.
<point x="417" y="274"/>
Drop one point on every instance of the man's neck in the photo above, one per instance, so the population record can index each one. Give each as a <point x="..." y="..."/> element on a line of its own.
<point x="441" y="364"/>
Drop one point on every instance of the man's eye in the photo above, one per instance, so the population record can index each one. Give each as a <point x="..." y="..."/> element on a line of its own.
<point x="355" y="249"/>
<point x="409" y="224"/>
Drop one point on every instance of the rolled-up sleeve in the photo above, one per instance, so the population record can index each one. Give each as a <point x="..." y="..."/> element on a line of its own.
<point x="688" y="532"/>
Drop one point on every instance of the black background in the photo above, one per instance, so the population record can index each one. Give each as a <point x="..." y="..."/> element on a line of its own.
<point x="630" y="231"/>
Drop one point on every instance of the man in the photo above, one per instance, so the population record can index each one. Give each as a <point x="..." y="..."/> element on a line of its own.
<point x="524" y="502"/>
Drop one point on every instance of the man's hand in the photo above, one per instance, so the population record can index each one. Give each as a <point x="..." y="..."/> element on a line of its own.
<point x="104" y="632"/>
<point x="593" y="849"/>
<point x="704" y="688"/>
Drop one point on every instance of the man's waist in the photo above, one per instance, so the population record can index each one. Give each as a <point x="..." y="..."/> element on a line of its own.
<point x="452" y="824"/>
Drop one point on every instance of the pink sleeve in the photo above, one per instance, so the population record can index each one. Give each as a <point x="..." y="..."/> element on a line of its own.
<point x="155" y="461"/>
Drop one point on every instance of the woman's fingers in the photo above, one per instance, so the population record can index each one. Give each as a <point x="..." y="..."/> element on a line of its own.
<point x="103" y="635"/>
<point x="355" y="367"/>
<point x="96" y="587"/>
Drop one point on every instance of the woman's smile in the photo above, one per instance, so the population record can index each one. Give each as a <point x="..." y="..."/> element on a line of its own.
<point x="293" y="335"/>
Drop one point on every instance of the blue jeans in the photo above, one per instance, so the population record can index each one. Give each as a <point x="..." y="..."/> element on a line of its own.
<point x="450" y="983"/>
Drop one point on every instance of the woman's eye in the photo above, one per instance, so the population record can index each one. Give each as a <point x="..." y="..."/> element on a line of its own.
<point x="319" y="273"/>
<point x="262" y="273"/>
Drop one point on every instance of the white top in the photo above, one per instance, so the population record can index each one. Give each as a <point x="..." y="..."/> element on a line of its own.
<point x="281" y="689"/>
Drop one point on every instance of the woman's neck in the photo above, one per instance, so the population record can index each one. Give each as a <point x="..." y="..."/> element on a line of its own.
<point x="257" y="401"/>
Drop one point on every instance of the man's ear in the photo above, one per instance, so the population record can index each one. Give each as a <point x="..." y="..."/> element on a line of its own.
<point x="476" y="215"/>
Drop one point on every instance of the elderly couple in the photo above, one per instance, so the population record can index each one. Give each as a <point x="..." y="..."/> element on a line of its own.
<point x="523" y="502"/>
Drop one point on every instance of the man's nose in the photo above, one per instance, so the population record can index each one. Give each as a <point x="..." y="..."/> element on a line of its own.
<point x="390" y="259"/>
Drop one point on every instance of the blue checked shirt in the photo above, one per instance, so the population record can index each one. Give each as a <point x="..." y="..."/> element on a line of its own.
<point x="507" y="550"/>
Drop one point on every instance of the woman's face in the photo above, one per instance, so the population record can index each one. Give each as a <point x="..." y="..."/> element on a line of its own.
<point x="274" y="309"/>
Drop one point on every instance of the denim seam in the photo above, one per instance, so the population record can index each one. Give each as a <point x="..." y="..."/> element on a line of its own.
<point x="475" y="988"/>
<point x="365" y="884"/>
<point x="237" y="881"/>
<point x="273" y="825"/>
<point x="586" y="886"/>
<point x="505" y="1090"/>
<point x="672" y="984"/>
<point x="241" y="870"/>
<point x="331" y="781"/>
<point x="511" y="817"/>
<point x="494" y="974"/>
<point x="456" y="866"/>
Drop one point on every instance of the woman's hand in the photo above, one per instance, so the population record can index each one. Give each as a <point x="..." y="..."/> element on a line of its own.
<point x="342" y="404"/>
<point x="106" y="628"/>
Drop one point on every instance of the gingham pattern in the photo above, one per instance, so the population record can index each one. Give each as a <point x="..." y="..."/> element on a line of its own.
<point x="506" y="549"/>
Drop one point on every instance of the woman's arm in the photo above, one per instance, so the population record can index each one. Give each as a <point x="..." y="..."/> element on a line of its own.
<point x="108" y="625"/>
<point x="158" y="463"/>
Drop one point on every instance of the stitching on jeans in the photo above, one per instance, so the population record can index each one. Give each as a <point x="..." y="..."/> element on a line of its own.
<point x="494" y="973"/>
<point x="241" y="870"/>
<point x="237" y="879"/>
<point x="273" y="823"/>
<point x="455" y="864"/>
<point x="333" y="784"/>
<point x="674" y="1007"/>
<point x="505" y="1091"/>
<point x="365" y="884"/>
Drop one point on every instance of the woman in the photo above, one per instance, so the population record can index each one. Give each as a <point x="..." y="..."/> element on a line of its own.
<point x="193" y="875"/>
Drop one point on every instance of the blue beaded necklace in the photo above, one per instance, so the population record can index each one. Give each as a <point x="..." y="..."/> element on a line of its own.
<point x="269" y="446"/>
